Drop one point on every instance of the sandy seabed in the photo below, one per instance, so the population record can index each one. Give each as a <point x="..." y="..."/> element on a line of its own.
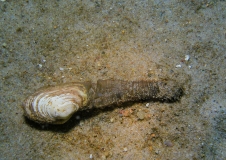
<point x="51" y="42"/>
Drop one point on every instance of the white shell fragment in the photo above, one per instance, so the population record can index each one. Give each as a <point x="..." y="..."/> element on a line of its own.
<point x="187" y="57"/>
<point x="56" y="104"/>
<point x="40" y="65"/>
<point x="178" y="66"/>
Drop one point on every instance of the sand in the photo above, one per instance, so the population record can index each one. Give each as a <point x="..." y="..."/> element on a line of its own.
<point x="45" y="43"/>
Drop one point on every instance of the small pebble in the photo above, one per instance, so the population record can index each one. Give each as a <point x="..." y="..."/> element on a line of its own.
<point x="40" y="65"/>
<point x="112" y="120"/>
<point x="125" y="149"/>
<point x="141" y="115"/>
<point x="98" y="64"/>
<point x="151" y="148"/>
<point x="147" y="104"/>
<point x="61" y="68"/>
<point x="4" y="45"/>
<point x="168" y="143"/>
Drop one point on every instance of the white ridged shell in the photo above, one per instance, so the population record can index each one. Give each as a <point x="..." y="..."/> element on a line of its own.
<point x="56" y="104"/>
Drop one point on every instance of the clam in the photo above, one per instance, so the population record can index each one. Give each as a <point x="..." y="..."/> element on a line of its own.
<point x="56" y="104"/>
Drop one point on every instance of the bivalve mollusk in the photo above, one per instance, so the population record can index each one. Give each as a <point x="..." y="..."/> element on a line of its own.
<point x="57" y="104"/>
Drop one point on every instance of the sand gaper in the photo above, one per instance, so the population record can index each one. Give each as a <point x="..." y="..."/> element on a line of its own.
<point x="56" y="104"/>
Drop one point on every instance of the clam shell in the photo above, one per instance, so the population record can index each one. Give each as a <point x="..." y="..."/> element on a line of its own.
<point x="57" y="104"/>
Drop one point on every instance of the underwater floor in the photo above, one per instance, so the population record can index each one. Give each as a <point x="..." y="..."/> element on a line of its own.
<point x="46" y="43"/>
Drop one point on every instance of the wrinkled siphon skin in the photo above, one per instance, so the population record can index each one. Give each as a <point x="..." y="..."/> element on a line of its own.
<point x="56" y="104"/>
<point x="115" y="92"/>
